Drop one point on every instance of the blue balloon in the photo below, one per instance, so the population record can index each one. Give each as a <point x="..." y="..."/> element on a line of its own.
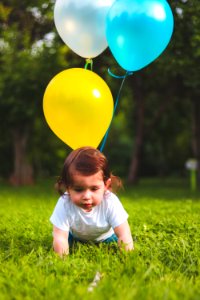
<point x="138" y="31"/>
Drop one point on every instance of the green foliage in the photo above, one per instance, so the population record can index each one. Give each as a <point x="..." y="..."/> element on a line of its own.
<point x="164" y="219"/>
<point x="29" y="59"/>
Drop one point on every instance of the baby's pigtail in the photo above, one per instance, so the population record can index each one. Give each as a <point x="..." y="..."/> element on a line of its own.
<point x="116" y="183"/>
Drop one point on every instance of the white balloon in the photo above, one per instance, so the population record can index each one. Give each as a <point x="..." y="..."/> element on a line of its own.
<point x="81" y="25"/>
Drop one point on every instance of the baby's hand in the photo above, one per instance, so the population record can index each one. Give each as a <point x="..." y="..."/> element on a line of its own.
<point x="123" y="233"/>
<point x="60" y="241"/>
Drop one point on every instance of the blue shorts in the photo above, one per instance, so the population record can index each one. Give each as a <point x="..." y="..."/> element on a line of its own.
<point x="112" y="239"/>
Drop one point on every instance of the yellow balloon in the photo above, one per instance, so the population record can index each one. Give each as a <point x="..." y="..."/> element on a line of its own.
<point x="78" y="107"/>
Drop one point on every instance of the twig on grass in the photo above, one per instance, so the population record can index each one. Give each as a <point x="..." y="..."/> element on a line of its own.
<point x="95" y="281"/>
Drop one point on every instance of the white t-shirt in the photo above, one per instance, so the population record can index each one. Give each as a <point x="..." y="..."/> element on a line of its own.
<point x="95" y="225"/>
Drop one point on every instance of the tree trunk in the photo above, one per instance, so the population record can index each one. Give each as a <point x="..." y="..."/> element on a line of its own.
<point x="142" y="132"/>
<point x="196" y="134"/>
<point x="136" y="155"/>
<point x="23" y="171"/>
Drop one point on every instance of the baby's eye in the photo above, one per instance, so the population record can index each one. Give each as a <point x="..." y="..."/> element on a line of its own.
<point x="95" y="188"/>
<point x="78" y="190"/>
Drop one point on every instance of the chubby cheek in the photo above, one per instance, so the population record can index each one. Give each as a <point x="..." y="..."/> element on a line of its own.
<point x="75" y="198"/>
<point x="98" y="198"/>
<point x="97" y="201"/>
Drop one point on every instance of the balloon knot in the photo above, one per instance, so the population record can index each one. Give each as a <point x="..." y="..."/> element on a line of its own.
<point x="89" y="61"/>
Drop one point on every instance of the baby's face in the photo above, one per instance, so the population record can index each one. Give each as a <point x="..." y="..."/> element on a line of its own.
<point x="88" y="191"/>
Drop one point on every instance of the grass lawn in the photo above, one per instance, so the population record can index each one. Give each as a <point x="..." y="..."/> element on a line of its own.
<point x="165" y="221"/>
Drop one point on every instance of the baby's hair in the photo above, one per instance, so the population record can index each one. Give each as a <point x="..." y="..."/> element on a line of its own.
<point x="86" y="161"/>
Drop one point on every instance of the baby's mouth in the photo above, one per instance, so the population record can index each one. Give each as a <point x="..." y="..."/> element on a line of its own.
<point x="87" y="206"/>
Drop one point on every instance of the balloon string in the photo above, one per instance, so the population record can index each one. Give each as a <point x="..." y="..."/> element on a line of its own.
<point x="116" y="103"/>
<point x="122" y="76"/>
<point x="89" y="61"/>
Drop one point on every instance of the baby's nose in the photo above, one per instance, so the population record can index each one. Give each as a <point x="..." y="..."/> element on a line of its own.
<point x="87" y="194"/>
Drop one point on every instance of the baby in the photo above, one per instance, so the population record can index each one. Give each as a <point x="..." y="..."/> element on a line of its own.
<point x="88" y="210"/>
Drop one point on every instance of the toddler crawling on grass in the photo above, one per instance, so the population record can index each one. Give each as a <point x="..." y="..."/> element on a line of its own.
<point x="88" y="210"/>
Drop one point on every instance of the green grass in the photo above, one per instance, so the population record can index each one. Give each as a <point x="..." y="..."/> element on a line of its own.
<point x="164" y="219"/>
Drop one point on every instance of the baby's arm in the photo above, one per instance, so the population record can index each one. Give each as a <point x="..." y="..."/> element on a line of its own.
<point x="123" y="233"/>
<point x="60" y="241"/>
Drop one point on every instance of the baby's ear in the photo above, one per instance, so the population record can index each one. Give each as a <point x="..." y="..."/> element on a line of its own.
<point x="108" y="183"/>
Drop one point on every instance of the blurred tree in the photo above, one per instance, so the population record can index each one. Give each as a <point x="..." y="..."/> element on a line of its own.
<point x="31" y="54"/>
